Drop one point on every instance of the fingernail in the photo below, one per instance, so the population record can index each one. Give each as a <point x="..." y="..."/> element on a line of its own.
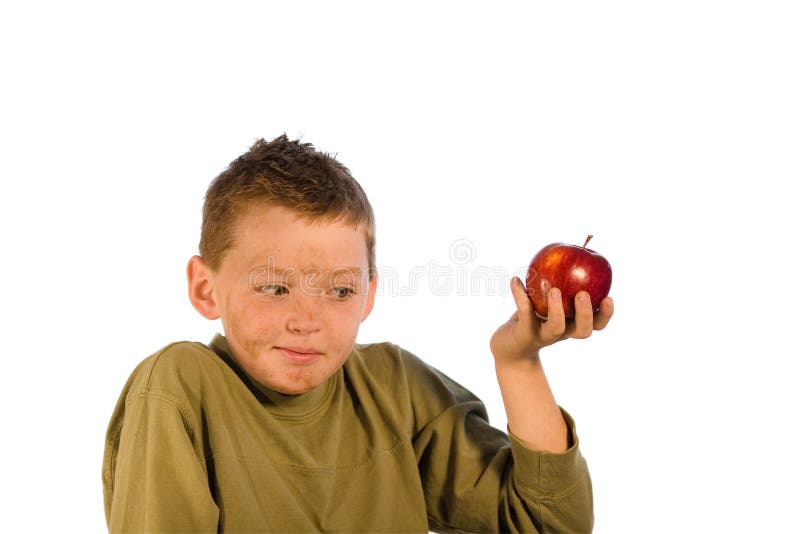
<point x="555" y="293"/>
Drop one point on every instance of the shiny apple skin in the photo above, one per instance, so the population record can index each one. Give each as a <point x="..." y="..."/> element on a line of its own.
<point x="570" y="268"/>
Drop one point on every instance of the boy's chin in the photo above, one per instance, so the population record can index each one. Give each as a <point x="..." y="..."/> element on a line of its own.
<point x="293" y="392"/>
<point x="293" y="388"/>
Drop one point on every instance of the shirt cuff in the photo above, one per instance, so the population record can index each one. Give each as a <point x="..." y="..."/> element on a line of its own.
<point x="549" y="473"/>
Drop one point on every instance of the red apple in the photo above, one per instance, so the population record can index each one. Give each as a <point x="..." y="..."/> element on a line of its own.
<point x="570" y="268"/>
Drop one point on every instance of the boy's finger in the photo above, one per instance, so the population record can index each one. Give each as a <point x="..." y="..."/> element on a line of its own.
<point x="603" y="316"/>
<point x="524" y="305"/>
<point x="584" y="316"/>
<point x="555" y="325"/>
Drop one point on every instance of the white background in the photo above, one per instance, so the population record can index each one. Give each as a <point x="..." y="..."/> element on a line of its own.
<point x="669" y="130"/>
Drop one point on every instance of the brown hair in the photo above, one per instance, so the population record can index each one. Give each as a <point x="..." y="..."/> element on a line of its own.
<point x="286" y="173"/>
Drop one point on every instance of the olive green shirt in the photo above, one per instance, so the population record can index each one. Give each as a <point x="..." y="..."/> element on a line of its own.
<point x="387" y="444"/>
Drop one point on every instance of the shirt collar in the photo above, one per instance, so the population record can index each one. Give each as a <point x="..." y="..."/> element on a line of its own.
<point x="294" y="407"/>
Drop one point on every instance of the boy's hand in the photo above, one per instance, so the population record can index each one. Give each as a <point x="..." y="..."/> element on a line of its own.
<point x="524" y="334"/>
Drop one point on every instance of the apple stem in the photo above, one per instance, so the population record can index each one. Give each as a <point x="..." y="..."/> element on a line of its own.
<point x="587" y="240"/>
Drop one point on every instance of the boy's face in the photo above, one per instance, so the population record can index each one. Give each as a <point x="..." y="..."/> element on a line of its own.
<point x="291" y="295"/>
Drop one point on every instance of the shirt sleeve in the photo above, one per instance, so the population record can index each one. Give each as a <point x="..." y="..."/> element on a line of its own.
<point x="155" y="478"/>
<point x="480" y="479"/>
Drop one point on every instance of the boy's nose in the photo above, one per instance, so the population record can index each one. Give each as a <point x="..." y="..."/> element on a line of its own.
<point x="304" y="317"/>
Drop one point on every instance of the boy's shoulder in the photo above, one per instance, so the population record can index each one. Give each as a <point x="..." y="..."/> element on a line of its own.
<point x="173" y="368"/>
<point x="395" y="363"/>
<point x="406" y="380"/>
<point x="385" y="356"/>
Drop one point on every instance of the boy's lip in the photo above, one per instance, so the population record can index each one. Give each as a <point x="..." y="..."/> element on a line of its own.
<point x="299" y="354"/>
<point x="300" y="350"/>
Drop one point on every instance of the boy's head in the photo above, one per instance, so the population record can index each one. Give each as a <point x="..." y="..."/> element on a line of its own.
<point x="282" y="173"/>
<point x="286" y="262"/>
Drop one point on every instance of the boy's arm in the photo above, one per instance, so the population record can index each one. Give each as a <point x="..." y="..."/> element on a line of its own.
<point x="154" y="477"/>
<point x="478" y="479"/>
<point x="549" y="471"/>
<point x="533" y="414"/>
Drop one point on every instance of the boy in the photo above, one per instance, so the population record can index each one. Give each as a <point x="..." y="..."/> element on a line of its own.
<point x="284" y="424"/>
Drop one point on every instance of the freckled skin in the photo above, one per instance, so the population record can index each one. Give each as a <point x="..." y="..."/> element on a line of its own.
<point x="571" y="269"/>
<point x="297" y="301"/>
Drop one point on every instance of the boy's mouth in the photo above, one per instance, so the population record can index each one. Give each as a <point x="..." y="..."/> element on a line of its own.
<point x="299" y="354"/>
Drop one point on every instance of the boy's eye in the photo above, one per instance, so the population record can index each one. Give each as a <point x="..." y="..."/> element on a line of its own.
<point x="342" y="293"/>
<point x="272" y="290"/>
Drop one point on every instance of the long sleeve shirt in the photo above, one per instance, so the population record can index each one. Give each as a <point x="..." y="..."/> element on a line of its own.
<point x="387" y="444"/>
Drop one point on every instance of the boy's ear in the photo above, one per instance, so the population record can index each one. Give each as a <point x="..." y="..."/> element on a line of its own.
<point x="373" y="288"/>
<point x="201" y="288"/>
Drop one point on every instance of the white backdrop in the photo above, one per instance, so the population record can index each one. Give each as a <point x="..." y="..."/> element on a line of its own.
<point x="481" y="132"/>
